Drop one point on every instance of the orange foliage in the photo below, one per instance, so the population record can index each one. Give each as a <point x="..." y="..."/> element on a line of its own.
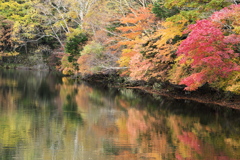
<point x="158" y="53"/>
<point x="6" y="29"/>
<point x="154" y="62"/>
<point x="84" y="64"/>
<point x="137" y="24"/>
<point x="139" y="67"/>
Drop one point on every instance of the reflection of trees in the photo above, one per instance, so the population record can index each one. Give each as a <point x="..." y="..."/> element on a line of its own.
<point x="23" y="88"/>
<point x="174" y="131"/>
<point x="77" y="121"/>
<point x="21" y="99"/>
<point x="159" y="130"/>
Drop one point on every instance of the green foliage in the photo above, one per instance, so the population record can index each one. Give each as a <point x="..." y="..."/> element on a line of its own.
<point x="194" y="10"/>
<point x="112" y="28"/>
<point x="50" y="41"/>
<point x="75" y="44"/>
<point x="201" y="5"/>
<point x="162" y="12"/>
<point x="93" y="47"/>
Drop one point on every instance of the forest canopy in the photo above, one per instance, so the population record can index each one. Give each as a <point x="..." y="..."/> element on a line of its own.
<point x="190" y="43"/>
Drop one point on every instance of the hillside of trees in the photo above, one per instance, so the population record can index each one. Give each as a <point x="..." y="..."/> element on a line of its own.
<point x="182" y="42"/>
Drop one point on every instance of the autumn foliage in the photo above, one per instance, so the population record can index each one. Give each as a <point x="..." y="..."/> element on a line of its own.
<point x="136" y="25"/>
<point x="211" y="50"/>
<point x="181" y="50"/>
<point x="149" y="46"/>
<point x="189" y="44"/>
<point x="6" y="29"/>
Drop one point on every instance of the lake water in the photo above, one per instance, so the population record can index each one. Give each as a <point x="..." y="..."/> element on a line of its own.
<point x="46" y="117"/>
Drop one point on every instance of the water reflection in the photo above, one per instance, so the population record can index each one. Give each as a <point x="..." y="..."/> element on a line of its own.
<point x="46" y="117"/>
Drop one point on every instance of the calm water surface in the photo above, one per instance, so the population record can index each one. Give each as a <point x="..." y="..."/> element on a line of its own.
<point x="46" y="117"/>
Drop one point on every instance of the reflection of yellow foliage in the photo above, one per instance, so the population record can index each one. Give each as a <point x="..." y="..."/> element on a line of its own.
<point x="123" y="134"/>
<point x="184" y="150"/>
<point x="123" y="103"/>
<point x="65" y="79"/>
<point x="232" y="142"/>
<point x="12" y="126"/>
<point x="82" y="98"/>
<point x="8" y="82"/>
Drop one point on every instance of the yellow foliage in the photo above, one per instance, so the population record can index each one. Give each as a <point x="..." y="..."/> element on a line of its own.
<point x="234" y="88"/>
<point x="235" y="16"/>
<point x="73" y="32"/>
<point x="68" y="71"/>
<point x="72" y="14"/>
<point x="169" y="32"/>
<point x="124" y="61"/>
<point x="15" y="16"/>
<point x="127" y="50"/>
<point x="67" y="67"/>
<point x="14" y="53"/>
<point x="232" y="83"/>
<point x="232" y="142"/>
<point x="237" y="29"/>
<point x="179" y="70"/>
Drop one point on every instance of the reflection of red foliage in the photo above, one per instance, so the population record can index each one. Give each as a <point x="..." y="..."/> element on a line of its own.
<point x="206" y="151"/>
<point x="136" y="122"/>
<point x="223" y="158"/>
<point x="179" y="157"/>
<point x="191" y="140"/>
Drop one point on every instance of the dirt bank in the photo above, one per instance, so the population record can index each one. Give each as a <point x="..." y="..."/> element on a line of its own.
<point x="223" y="100"/>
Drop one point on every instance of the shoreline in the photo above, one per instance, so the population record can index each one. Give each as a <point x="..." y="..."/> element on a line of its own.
<point x="192" y="97"/>
<point x="205" y="94"/>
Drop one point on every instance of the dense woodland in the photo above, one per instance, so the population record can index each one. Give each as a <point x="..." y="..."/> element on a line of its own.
<point x="183" y="42"/>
